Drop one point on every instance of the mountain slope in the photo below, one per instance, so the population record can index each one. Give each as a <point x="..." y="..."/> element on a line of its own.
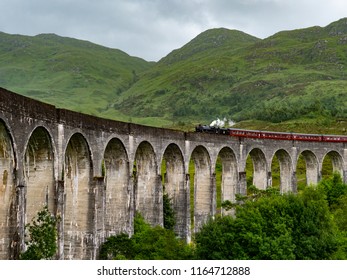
<point x="290" y="75"/>
<point x="66" y="72"/>
<point x="188" y="77"/>
<point x="293" y="77"/>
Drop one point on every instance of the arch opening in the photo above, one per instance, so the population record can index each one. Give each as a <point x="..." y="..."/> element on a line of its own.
<point x="173" y="180"/>
<point x="332" y="163"/>
<point x="307" y="169"/>
<point x="7" y="192"/>
<point x="39" y="173"/>
<point x="226" y="177"/>
<point x="148" y="188"/>
<point x="118" y="193"/>
<point x="257" y="166"/>
<point x="79" y="207"/>
<point x="282" y="171"/>
<point x="203" y="192"/>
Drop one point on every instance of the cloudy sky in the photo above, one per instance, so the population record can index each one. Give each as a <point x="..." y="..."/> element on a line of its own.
<point x="150" y="29"/>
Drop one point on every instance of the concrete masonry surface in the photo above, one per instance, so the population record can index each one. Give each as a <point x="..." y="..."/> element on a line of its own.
<point x="96" y="173"/>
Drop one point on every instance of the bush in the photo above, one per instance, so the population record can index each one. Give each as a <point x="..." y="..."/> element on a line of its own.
<point x="42" y="243"/>
<point x="272" y="226"/>
<point x="334" y="188"/>
<point x="147" y="243"/>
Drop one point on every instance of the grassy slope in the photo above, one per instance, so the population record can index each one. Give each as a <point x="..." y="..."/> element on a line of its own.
<point x="292" y="77"/>
<point x="291" y="81"/>
<point x="66" y="72"/>
<point x="180" y="83"/>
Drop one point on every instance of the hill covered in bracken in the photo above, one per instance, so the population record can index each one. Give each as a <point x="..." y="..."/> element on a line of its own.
<point x="292" y="81"/>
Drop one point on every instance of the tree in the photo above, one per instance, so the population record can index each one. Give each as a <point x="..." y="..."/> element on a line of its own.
<point x="147" y="243"/>
<point x="42" y="243"/>
<point x="169" y="213"/>
<point x="334" y="188"/>
<point x="272" y="226"/>
<point x="119" y="247"/>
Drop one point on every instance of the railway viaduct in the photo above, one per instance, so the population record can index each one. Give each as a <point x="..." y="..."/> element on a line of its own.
<point x="96" y="173"/>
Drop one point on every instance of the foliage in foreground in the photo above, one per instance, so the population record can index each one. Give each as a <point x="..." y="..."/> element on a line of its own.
<point x="168" y="213"/>
<point x="308" y="225"/>
<point x="147" y="243"/>
<point x="42" y="243"/>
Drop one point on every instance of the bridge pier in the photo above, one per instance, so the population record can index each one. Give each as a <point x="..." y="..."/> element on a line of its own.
<point x="99" y="218"/>
<point x="59" y="213"/>
<point x="294" y="183"/>
<point x="82" y="167"/>
<point x="17" y="245"/>
<point x="269" y="179"/>
<point x="242" y="190"/>
<point x="187" y="222"/>
<point x="213" y="210"/>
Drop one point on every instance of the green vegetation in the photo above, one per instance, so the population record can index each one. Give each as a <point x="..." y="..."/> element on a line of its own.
<point x="267" y="225"/>
<point x="42" y="242"/>
<point x="66" y="72"/>
<point x="147" y="243"/>
<point x="310" y="225"/>
<point x="292" y="81"/>
<point x="168" y="213"/>
<point x="294" y="76"/>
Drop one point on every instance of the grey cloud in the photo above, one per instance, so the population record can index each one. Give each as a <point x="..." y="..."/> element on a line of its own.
<point x="152" y="28"/>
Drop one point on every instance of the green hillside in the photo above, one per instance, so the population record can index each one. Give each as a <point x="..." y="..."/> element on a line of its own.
<point x="66" y="72"/>
<point x="185" y="84"/>
<point x="292" y="81"/>
<point x="294" y="75"/>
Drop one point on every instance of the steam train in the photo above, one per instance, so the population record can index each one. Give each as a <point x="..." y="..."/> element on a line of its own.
<point x="270" y="135"/>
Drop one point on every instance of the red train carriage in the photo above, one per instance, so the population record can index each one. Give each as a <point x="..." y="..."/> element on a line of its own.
<point x="286" y="136"/>
<point x="334" y="138"/>
<point x="307" y="137"/>
<point x="260" y="134"/>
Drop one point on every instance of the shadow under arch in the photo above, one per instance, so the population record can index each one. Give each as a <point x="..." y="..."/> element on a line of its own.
<point x="260" y="172"/>
<point x="79" y="200"/>
<point x="118" y="193"/>
<point x="311" y="164"/>
<point x="204" y="192"/>
<point x="8" y="211"/>
<point x="229" y="175"/>
<point x="147" y="185"/>
<point x="39" y="173"/>
<point x="336" y="161"/>
<point x="286" y="183"/>
<point x="175" y="186"/>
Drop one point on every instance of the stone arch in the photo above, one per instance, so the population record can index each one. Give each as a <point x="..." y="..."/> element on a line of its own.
<point x="39" y="173"/>
<point x="286" y="171"/>
<point x="260" y="173"/>
<point x="337" y="162"/>
<point x="312" y="170"/>
<point x="147" y="185"/>
<point x="229" y="182"/>
<point x="204" y="193"/>
<point x="118" y="194"/>
<point x="175" y="187"/>
<point x="7" y="191"/>
<point x="79" y="207"/>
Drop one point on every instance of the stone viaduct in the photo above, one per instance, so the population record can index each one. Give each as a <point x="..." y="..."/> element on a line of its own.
<point x="96" y="173"/>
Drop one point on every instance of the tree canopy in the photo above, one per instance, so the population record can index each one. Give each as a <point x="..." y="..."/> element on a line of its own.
<point x="274" y="226"/>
